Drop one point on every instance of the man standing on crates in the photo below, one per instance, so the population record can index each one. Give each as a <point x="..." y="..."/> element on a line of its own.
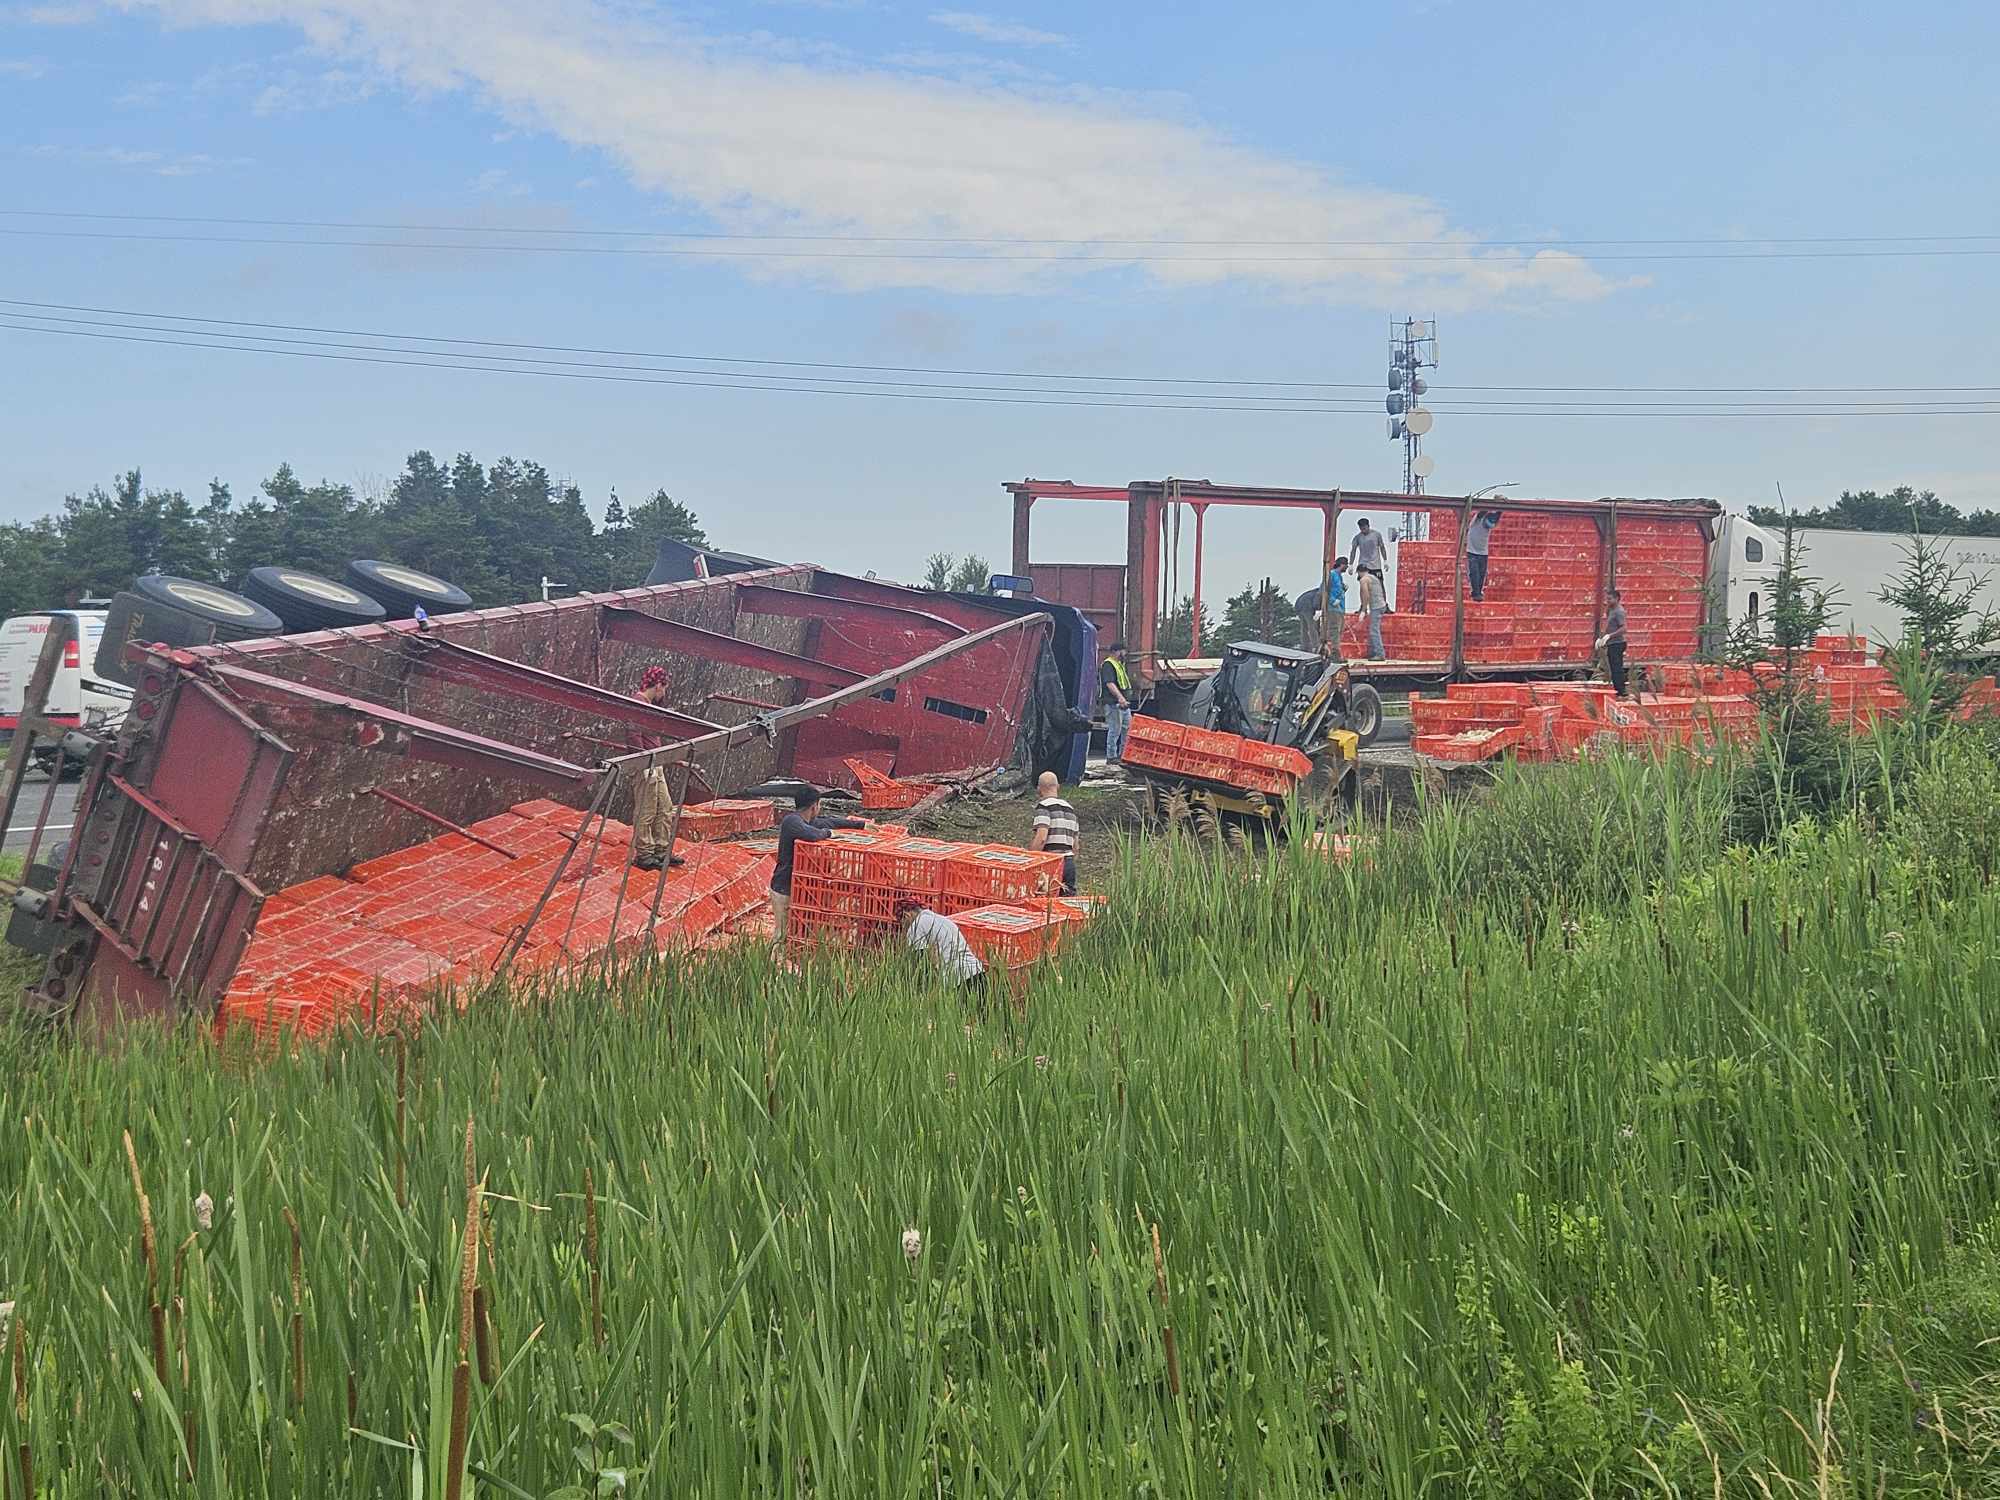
<point x="1478" y="544"/>
<point x="1371" y="550"/>
<point x="652" y="803"/>
<point x="1056" y="827"/>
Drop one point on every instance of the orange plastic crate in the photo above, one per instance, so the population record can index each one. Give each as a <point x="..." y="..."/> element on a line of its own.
<point x="911" y="866"/>
<point x="842" y="857"/>
<point x="1011" y="936"/>
<point x="999" y="874"/>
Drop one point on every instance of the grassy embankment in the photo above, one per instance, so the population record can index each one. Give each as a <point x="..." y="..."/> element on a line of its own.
<point x="1557" y="1151"/>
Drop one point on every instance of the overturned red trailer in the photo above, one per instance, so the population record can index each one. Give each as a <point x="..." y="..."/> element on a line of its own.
<point x="245" y="768"/>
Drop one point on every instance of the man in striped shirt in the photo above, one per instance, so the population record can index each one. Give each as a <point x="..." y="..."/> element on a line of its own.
<point x="1056" y="827"/>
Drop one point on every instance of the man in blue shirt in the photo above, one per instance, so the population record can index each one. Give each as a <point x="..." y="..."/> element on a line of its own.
<point x="1308" y="605"/>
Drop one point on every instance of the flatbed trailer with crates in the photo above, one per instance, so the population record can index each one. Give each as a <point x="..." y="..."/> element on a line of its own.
<point x="1553" y="564"/>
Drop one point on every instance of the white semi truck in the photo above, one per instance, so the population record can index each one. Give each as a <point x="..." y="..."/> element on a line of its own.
<point x="1853" y="566"/>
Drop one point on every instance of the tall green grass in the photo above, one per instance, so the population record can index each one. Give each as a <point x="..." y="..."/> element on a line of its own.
<point x="1551" y="1149"/>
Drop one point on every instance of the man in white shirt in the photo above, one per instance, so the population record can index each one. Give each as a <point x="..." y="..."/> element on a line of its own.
<point x="927" y="932"/>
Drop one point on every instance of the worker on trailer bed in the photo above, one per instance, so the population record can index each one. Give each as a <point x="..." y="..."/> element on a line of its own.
<point x="1478" y="544"/>
<point x="652" y="803"/>
<point x="1371" y="550"/>
<point x="1056" y="827"/>
<point x="1612" y="642"/>
<point x="803" y="822"/>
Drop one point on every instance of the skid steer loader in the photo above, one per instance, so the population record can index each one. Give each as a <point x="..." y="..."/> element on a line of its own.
<point x="1271" y="731"/>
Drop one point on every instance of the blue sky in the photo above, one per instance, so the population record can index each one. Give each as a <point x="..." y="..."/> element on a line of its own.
<point x="1444" y="126"/>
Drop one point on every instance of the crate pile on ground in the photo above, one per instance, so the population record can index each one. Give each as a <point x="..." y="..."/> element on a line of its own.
<point x="435" y="917"/>
<point x="1007" y="901"/>
<point x="1541" y="592"/>
<point x="725" y="818"/>
<point x="1211" y="755"/>
<point x="1701" y="705"/>
<point x="881" y="792"/>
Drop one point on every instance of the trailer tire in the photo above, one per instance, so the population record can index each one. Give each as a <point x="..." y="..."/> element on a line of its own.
<point x="242" y="618"/>
<point x="306" y="601"/>
<point x="1364" y="712"/>
<point x="402" y="591"/>
<point x="174" y="612"/>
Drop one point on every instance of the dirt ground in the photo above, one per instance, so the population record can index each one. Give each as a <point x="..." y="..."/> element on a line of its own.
<point x="1008" y="820"/>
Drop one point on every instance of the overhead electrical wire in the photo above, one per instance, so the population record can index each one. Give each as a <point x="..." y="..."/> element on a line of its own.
<point x="472" y="363"/>
<point x="788" y="237"/>
<point x="732" y="252"/>
<point x="475" y="348"/>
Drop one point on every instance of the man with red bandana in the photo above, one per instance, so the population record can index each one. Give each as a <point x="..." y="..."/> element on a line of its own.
<point x="652" y="803"/>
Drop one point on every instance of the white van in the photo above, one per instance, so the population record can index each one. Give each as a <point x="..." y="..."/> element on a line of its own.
<point x="77" y="696"/>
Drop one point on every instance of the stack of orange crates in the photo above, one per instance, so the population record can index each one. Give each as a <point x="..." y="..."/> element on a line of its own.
<point x="1704" y="704"/>
<point x="397" y="930"/>
<point x="1210" y="755"/>
<point x="1541" y="591"/>
<point x="845" y="889"/>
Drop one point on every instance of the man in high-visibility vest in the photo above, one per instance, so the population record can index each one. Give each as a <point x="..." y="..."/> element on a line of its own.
<point x="1114" y="688"/>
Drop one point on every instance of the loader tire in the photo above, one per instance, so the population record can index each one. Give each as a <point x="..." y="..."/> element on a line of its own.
<point x="1364" y="712"/>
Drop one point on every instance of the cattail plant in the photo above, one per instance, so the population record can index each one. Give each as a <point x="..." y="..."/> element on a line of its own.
<point x="590" y="1255"/>
<point x="298" y="1327"/>
<point x="156" y="1317"/>
<point x="1166" y="1317"/>
<point x="402" y="1150"/>
<point x="461" y="1373"/>
<point x="24" y="1459"/>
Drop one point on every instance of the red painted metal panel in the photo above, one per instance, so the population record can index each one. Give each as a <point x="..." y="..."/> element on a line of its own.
<point x="1098" y="589"/>
<point x="630" y="626"/>
<point x="165" y="890"/>
<point x="962" y="714"/>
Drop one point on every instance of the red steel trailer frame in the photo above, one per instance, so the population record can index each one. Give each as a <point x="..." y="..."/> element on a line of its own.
<point x="1149" y="504"/>
<point x="247" y="768"/>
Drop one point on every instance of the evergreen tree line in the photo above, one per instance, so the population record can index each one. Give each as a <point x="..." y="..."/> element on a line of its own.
<point x="496" y="531"/>
<point x="1900" y="510"/>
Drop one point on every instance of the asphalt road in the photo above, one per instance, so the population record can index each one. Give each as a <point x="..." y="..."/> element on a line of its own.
<point x="31" y="805"/>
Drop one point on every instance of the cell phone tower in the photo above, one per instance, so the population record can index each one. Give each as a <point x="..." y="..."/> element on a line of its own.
<point x="1413" y="348"/>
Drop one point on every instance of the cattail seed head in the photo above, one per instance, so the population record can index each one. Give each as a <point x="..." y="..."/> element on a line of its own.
<point x="204" y="1212"/>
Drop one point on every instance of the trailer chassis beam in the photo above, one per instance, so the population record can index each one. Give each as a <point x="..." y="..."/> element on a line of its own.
<point x="463" y="664"/>
<point x="616" y="623"/>
<point x="313" y="712"/>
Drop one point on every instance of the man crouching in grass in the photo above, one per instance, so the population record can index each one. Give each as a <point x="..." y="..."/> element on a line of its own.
<point x="927" y="932"/>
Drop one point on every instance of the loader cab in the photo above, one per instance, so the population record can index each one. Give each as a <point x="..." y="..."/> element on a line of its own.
<point x="1254" y="688"/>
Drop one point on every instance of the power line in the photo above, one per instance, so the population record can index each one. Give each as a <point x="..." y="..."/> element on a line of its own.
<point x="461" y="363"/>
<point x="41" y="309"/>
<point x="1045" y="258"/>
<point x="968" y="239"/>
<point x="1275" y="402"/>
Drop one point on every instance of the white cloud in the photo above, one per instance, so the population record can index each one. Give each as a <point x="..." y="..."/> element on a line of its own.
<point x="23" y="67"/>
<point x="498" y="182"/>
<point x="1000" y="33"/>
<point x="287" y="85"/>
<point x="73" y="14"/>
<point x="141" y="159"/>
<point x="142" y="96"/>
<point x="760" y="146"/>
